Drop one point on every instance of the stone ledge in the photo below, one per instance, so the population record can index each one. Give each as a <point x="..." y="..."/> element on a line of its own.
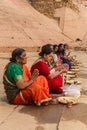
<point x="29" y="49"/>
<point x="37" y="49"/>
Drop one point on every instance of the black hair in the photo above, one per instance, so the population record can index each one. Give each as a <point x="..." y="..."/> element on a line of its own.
<point x="45" y="50"/>
<point x="66" y="45"/>
<point x="60" y="45"/>
<point x="54" y="46"/>
<point x="60" y="51"/>
<point x="16" y="53"/>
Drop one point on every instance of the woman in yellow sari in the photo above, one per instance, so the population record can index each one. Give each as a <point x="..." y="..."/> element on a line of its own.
<point x="21" y="87"/>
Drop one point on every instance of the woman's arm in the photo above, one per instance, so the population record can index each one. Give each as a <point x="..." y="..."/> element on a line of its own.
<point x="56" y="73"/>
<point x="23" y="84"/>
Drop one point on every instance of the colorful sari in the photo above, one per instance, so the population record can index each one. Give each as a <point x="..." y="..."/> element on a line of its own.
<point x="37" y="92"/>
<point x="55" y="84"/>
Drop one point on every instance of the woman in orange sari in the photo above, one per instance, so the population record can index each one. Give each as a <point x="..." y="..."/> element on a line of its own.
<point x="21" y="87"/>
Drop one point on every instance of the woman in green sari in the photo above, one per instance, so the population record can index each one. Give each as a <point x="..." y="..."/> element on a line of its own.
<point x="20" y="86"/>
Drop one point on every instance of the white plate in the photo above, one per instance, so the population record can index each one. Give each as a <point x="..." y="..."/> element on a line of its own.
<point x="74" y="69"/>
<point x="72" y="82"/>
<point x="70" y="72"/>
<point x="71" y="76"/>
<point x="65" y="100"/>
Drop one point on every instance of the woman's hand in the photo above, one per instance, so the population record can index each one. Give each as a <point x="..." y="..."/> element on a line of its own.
<point x="34" y="74"/>
<point x="23" y="84"/>
<point x="63" y="71"/>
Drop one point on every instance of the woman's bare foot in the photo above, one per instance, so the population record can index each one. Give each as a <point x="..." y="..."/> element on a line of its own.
<point x="45" y="103"/>
<point x="54" y="101"/>
<point x="69" y="105"/>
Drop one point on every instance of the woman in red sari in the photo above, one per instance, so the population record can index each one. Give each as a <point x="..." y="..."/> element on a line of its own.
<point x="20" y="86"/>
<point x="55" y="80"/>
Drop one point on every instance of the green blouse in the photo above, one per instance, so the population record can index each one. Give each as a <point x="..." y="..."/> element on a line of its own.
<point x="14" y="72"/>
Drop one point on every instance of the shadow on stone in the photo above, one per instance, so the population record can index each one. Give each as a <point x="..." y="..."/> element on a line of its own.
<point x="39" y="128"/>
<point x="83" y="75"/>
<point x="77" y="112"/>
<point x="84" y="92"/>
<point x="44" y="114"/>
<point x="3" y="99"/>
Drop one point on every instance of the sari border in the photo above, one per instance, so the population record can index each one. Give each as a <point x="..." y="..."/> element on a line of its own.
<point x="42" y="101"/>
<point x="23" y="99"/>
<point x="8" y="80"/>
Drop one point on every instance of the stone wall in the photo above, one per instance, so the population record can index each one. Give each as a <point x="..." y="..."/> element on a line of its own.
<point x="47" y="7"/>
<point x="44" y="6"/>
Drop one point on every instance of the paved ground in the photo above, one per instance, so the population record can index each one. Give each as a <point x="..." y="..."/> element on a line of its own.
<point x="52" y="117"/>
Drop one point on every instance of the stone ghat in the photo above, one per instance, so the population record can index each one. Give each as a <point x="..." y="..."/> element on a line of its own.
<point x="10" y="49"/>
<point x="37" y="49"/>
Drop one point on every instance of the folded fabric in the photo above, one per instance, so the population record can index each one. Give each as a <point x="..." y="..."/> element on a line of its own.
<point x="73" y="91"/>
